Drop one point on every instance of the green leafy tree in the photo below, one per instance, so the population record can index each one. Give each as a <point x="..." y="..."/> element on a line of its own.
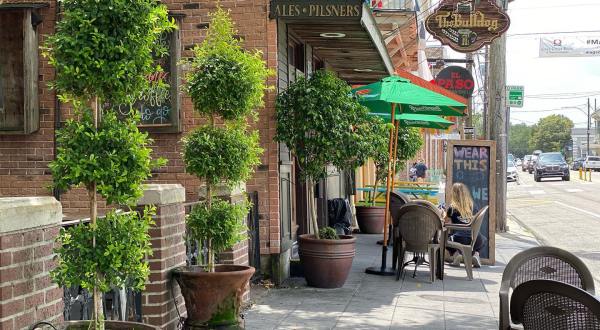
<point x="409" y="142"/>
<point x="518" y="140"/>
<point x="228" y="82"/>
<point x="103" y="52"/>
<point x="551" y="133"/>
<point x="323" y="125"/>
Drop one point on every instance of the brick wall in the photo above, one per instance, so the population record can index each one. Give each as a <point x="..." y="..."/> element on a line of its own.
<point x="24" y="159"/>
<point x="27" y="294"/>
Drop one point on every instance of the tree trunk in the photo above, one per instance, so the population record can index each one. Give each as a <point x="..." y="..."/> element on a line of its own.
<point x="98" y="324"/>
<point x="312" y="212"/>
<point x="209" y="247"/>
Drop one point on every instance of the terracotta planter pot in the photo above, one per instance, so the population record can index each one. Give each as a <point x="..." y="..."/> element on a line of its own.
<point x="326" y="262"/>
<point x="370" y="219"/>
<point x="213" y="299"/>
<point x="109" y="325"/>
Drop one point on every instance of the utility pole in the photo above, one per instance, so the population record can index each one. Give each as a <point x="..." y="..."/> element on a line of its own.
<point x="588" y="129"/>
<point x="486" y="62"/>
<point x="497" y="119"/>
<point x="469" y="119"/>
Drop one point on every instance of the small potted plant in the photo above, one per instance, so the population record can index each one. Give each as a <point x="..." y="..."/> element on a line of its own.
<point x="98" y="64"/>
<point x="323" y="125"/>
<point x="369" y="215"/>
<point x="226" y="83"/>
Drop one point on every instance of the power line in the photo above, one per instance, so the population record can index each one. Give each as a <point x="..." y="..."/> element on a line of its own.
<point x="557" y="6"/>
<point x="556" y="32"/>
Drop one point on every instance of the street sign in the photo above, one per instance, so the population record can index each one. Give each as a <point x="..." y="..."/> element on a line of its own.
<point x="469" y="130"/>
<point x="515" y="96"/>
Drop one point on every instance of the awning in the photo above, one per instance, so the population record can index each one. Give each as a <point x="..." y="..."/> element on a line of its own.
<point x="343" y="33"/>
<point x="19" y="4"/>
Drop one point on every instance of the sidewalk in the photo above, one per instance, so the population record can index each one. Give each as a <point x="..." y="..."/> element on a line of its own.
<point x="375" y="302"/>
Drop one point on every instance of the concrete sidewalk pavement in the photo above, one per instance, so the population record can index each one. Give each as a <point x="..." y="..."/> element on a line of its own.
<point x="376" y="302"/>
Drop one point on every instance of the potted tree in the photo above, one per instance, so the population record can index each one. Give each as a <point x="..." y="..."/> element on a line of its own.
<point x="323" y="125"/>
<point x="97" y="63"/>
<point x="225" y="83"/>
<point x="369" y="215"/>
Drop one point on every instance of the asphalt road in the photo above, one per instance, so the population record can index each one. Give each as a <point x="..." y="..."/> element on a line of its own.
<point x="560" y="213"/>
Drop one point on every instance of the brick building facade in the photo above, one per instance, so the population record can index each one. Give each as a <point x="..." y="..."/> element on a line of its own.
<point x="349" y="41"/>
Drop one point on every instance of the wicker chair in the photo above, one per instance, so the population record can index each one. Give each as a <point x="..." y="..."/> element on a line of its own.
<point x="542" y="263"/>
<point x="467" y="250"/>
<point x="419" y="230"/>
<point x="397" y="200"/>
<point x="547" y="304"/>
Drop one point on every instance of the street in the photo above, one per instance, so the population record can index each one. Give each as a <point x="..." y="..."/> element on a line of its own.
<point x="559" y="213"/>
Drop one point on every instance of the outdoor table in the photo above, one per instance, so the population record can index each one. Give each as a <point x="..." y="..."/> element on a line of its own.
<point x="415" y="192"/>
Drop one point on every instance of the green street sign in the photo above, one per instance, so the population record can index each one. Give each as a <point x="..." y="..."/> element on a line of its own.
<point x="515" y="96"/>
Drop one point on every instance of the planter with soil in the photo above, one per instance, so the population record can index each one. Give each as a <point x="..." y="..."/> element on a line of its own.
<point x="326" y="262"/>
<point x="213" y="300"/>
<point x="370" y="219"/>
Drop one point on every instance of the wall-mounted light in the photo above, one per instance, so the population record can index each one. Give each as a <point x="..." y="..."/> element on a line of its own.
<point x="363" y="70"/>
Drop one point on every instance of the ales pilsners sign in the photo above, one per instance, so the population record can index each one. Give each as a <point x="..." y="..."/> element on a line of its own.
<point x="467" y="25"/>
<point x="316" y="9"/>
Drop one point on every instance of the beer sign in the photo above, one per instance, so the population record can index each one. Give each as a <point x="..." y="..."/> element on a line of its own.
<point x="467" y="25"/>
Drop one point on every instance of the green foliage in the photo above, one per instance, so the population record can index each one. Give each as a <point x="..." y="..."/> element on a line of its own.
<point x="322" y="124"/>
<point x="122" y="244"/>
<point x="225" y="79"/>
<point x="410" y="142"/>
<point x="222" y="223"/>
<point x="518" y="140"/>
<point x="552" y="133"/>
<point x="116" y="157"/>
<point x="104" y="48"/>
<point x="221" y="154"/>
<point x="328" y="233"/>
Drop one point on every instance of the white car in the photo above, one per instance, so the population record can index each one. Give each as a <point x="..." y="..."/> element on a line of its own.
<point x="511" y="172"/>
<point x="592" y="163"/>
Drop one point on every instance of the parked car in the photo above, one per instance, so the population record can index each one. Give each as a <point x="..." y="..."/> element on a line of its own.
<point x="511" y="158"/>
<point x="577" y="163"/>
<point x="551" y="164"/>
<point x="532" y="162"/>
<point x="525" y="163"/>
<point x="518" y="162"/>
<point x="592" y="163"/>
<point x="511" y="172"/>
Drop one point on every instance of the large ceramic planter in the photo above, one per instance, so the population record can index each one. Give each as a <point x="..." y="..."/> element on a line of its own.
<point x="326" y="262"/>
<point x="370" y="219"/>
<point x="213" y="300"/>
<point x="109" y="325"/>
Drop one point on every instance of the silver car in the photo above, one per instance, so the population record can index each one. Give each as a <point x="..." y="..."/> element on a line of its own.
<point x="592" y="163"/>
<point x="511" y="172"/>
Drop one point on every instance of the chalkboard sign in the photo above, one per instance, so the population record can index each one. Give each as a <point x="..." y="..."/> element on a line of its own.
<point x="473" y="163"/>
<point x="158" y="107"/>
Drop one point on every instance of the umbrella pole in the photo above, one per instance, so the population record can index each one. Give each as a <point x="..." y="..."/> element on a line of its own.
<point x="383" y="270"/>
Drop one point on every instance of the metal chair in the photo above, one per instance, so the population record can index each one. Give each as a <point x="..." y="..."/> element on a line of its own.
<point x="547" y="304"/>
<point x="419" y="231"/>
<point x="467" y="250"/>
<point x="542" y="263"/>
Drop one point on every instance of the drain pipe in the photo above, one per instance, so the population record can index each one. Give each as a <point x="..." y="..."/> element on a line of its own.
<point x="55" y="191"/>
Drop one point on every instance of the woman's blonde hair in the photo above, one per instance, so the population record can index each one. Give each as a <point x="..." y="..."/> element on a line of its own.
<point x="462" y="200"/>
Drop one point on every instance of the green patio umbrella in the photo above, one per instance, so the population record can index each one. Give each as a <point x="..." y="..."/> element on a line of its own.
<point x="414" y="120"/>
<point x="406" y="104"/>
<point x="409" y="98"/>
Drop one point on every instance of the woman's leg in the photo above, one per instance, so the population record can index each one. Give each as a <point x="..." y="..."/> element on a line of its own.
<point x="479" y="243"/>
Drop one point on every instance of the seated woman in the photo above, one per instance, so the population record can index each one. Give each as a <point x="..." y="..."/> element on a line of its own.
<point x="460" y="211"/>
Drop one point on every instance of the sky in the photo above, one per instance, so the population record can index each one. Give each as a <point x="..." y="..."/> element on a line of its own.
<point x="551" y="75"/>
<point x="548" y="75"/>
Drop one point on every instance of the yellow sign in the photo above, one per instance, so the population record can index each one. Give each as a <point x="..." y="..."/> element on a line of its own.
<point x="300" y="9"/>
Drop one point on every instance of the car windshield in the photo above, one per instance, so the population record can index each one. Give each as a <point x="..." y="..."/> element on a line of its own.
<point x="594" y="159"/>
<point x="510" y="164"/>
<point x="551" y="158"/>
<point x="511" y="158"/>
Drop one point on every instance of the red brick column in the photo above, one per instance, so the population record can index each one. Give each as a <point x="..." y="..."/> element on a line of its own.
<point x="28" y="228"/>
<point x="168" y="245"/>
